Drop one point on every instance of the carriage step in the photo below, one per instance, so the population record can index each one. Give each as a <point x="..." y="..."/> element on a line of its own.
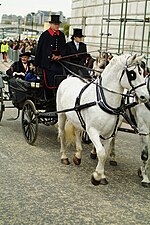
<point x="126" y="130"/>
<point x="47" y="114"/>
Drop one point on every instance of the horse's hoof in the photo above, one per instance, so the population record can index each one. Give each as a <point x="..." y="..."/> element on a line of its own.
<point x="93" y="155"/>
<point x="95" y="182"/>
<point x="76" y="160"/>
<point x="140" y="173"/>
<point x="113" y="163"/>
<point x="65" y="161"/>
<point x="144" y="184"/>
<point x="103" y="181"/>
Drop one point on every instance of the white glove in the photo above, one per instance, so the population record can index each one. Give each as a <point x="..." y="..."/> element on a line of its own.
<point x="18" y="74"/>
<point x="14" y="74"/>
<point x="22" y="74"/>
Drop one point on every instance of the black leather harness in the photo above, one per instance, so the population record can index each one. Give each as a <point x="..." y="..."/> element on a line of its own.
<point x="101" y="101"/>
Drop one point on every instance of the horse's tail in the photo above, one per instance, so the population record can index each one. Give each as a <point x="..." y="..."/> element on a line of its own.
<point x="69" y="133"/>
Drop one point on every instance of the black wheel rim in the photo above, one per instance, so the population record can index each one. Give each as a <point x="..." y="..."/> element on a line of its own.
<point x="29" y="123"/>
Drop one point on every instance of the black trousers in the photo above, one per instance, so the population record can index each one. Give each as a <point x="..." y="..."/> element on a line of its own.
<point x="50" y="75"/>
<point x="54" y="69"/>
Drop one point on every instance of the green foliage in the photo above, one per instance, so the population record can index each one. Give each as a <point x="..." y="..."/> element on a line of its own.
<point x="66" y="29"/>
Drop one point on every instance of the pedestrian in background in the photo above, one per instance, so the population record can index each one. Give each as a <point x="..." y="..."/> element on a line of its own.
<point x="4" y="50"/>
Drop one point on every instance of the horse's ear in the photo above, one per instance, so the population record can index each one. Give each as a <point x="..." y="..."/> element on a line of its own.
<point x="139" y="58"/>
<point x="131" y="59"/>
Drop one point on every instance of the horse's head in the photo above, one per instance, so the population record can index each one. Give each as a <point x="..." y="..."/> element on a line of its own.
<point x="132" y="77"/>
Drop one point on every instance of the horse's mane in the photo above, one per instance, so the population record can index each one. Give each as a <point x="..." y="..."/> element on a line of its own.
<point x="122" y="61"/>
<point x="113" y="62"/>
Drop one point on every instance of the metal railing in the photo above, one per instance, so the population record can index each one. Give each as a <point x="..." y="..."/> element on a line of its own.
<point x="13" y="55"/>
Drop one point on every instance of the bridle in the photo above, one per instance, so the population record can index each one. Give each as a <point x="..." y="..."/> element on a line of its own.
<point x="131" y="75"/>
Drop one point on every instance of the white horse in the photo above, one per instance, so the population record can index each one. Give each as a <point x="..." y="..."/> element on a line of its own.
<point x="96" y="106"/>
<point x="140" y="114"/>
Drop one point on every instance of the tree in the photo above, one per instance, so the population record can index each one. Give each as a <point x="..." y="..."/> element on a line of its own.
<point x="66" y="29"/>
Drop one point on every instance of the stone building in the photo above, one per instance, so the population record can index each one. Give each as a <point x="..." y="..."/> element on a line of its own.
<point x="118" y="26"/>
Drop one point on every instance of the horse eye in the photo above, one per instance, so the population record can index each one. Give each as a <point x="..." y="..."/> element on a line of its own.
<point x="132" y="75"/>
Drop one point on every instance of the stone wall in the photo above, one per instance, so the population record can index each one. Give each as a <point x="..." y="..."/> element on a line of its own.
<point x="112" y="32"/>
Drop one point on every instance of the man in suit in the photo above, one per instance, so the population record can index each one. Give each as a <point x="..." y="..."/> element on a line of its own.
<point x="50" y="49"/>
<point x="22" y="67"/>
<point x="19" y="69"/>
<point x="77" y="51"/>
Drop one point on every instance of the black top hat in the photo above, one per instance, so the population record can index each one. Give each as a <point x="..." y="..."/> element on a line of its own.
<point x="25" y="54"/>
<point x="77" y="32"/>
<point x="55" y="19"/>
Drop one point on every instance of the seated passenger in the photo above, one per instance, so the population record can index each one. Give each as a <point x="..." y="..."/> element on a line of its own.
<point x="22" y="67"/>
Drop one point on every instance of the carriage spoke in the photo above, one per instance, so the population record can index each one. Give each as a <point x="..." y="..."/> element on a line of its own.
<point x="29" y="122"/>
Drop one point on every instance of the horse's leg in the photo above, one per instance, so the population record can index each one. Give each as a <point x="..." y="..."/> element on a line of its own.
<point x="78" y="154"/>
<point x="112" y="153"/>
<point x="93" y="154"/>
<point x="98" y="177"/>
<point x="143" y="172"/>
<point x="61" y="135"/>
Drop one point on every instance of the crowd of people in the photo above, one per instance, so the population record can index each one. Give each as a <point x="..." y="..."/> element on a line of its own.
<point x="21" y="46"/>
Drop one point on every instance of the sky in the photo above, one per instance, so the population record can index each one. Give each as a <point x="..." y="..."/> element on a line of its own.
<point x="23" y="7"/>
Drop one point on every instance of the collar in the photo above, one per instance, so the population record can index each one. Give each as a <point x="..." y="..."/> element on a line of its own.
<point x="52" y="32"/>
<point x="76" y="43"/>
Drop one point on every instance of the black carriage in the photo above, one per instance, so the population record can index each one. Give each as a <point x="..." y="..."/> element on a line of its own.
<point x="32" y="98"/>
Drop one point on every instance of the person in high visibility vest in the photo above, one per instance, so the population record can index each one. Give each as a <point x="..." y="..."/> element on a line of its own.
<point x="4" y="50"/>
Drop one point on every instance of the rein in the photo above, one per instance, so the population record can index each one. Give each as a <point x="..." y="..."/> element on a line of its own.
<point x="75" y="54"/>
<point x="85" y="80"/>
<point x="74" y="74"/>
<point x="80" y="66"/>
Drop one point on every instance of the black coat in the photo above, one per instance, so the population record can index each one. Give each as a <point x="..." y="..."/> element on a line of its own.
<point x="77" y="59"/>
<point x="18" y="67"/>
<point x="45" y="47"/>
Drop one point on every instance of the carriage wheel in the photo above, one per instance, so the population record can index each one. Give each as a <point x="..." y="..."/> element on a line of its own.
<point x="1" y="104"/>
<point x="29" y="122"/>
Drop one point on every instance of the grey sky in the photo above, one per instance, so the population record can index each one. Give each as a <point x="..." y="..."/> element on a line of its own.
<point x="23" y="7"/>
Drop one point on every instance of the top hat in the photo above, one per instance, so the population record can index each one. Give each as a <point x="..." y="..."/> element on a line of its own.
<point x="77" y="32"/>
<point x="25" y="54"/>
<point x="55" y="19"/>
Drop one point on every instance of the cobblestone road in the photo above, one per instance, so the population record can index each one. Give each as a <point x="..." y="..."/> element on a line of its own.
<point x="36" y="189"/>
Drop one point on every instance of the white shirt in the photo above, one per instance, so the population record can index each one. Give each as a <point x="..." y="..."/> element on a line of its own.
<point x="77" y="45"/>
